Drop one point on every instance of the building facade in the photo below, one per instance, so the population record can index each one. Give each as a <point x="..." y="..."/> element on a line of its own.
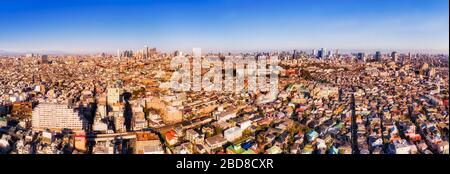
<point x="57" y="117"/>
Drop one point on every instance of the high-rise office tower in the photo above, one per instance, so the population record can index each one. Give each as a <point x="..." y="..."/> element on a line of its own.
<point x="378" y="56"/>
<point x="330" y="54"/>
<point x="322" y="53"/>
<point x="146" y="52"/>
<point x="361" y="56"/>
<point x="394" y="56"/>
<point x="314" y="53"/>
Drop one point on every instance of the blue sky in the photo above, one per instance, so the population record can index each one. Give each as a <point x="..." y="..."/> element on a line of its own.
<point x="86" y="26"/>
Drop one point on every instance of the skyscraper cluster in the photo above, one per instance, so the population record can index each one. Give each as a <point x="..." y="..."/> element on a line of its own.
<point x="324" y="54"/>
<point x="125" y="54"/>
<point x="145" y="53"/>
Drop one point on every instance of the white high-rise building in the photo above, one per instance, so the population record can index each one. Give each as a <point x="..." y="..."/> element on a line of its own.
<point x="113" y="95"/>
<point x="197" y="52"/>
<point x="314" y="53"/>
<point x="330" y="54"/>
<point x="57" y="117"/>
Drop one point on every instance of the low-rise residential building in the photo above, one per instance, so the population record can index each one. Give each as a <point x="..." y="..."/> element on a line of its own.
<point x="232" y="134"/>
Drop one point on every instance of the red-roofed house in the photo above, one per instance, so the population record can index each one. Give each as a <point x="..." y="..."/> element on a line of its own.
<point x="171" y="137"/>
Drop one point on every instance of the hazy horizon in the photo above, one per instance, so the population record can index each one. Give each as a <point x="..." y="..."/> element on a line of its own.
<point x="342" y="51"/>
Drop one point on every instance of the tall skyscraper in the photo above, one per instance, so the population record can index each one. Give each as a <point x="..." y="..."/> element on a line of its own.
<point x="378" y="56"/>
<point x="314" y="53"/>
<point x="361" y="56"/>
<point x="124" y="54"/>
<point x="146" y="52"/>
<point x="322" y="53"/>
<point x="394" y="56"/>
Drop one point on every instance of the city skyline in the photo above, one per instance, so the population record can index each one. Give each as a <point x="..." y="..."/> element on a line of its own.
<point x="223" y="25"/>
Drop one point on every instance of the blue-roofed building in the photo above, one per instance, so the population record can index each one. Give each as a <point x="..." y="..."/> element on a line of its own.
<point x="333" y="150"/>
<point x="247" y="145"/>
<point x="312" y="135"/>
